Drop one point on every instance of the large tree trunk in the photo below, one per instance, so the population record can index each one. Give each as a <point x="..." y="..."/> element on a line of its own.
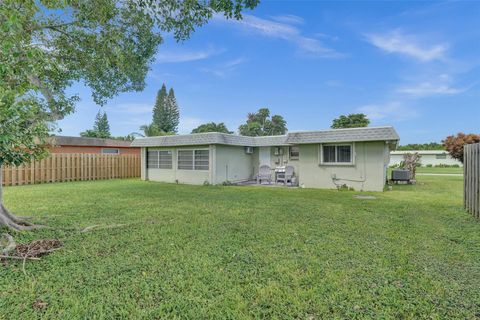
<point x="9" y="220"/>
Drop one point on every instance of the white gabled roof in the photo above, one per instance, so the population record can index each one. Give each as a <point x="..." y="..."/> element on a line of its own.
<point x="304" y="137"/>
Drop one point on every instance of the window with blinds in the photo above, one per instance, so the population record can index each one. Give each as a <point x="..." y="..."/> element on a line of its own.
<point x="165" y="159"/>
<point x="193" y="159"/>
<point x="202" y="158"/>
<point x="159" y="159"/>
<point x="152" y="159"/>
<point x="185" y="159"/>
<point x="331" y="154"/>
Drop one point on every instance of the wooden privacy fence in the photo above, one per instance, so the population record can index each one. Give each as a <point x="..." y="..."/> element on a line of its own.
<point x="471" y="176"/>
<point x="73" y="167"/>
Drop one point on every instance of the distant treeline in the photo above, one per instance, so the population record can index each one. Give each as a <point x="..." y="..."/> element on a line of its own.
<point x="422" y="146"/>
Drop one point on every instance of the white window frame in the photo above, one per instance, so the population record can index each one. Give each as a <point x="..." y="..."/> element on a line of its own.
<point x="352" y="153"/>
<point x="193" y="159"/>
<point x="441" y="156"/>
<point x="290" y="153"/>
<point x="118" y="150"/>
<point x="159" y="150"/>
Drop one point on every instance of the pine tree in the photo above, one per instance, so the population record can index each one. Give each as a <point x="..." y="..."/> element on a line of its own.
<point x="101" y="128"/>
<point x="173" y="114"/>
<point x="159" y="114"/>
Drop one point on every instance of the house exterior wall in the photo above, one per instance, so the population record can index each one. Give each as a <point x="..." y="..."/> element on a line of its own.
<point x="276" y="160"/>
<point x="177" y="175"/>
<point x="233" y="164"/>
<point x="368" y="173"/>
<point x="426" y="158"/>
<point x="92" y="149"/>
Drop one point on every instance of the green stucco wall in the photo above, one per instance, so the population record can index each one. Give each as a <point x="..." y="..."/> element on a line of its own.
<point x="367" y="173"/>
<point x="232" y="164"/>
<point x="176" y="175"/>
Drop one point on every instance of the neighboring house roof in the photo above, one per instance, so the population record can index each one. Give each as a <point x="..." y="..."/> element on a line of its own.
<point x="87" y="142"/>
<point x="323" y="136"/>
<point x="419" y="151"/>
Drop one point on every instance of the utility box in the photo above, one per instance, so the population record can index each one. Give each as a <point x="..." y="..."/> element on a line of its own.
<point x="401" y="175"/>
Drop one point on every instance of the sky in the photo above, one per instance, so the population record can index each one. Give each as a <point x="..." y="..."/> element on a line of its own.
<point x="412" y="65"/>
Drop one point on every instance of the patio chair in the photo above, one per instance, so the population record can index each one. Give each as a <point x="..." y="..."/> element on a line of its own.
<point x="264" y="174"/>
<point x="286" y="176"/>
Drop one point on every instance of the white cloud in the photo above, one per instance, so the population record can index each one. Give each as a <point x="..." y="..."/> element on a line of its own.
<point x="289" y="18"/>
<point x="410" y="45"/>
<point x="177" y="55"/>
<point x="428" y="89"/>
<point x="187" y="124"/>
<point x="224" y="69"/>
<point x="441" y="85"/>
<point x="287" y="32"/>
<point x="392" y="111"/>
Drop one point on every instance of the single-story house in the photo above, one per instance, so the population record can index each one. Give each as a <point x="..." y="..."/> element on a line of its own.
<point x="64" y="144"/>
<point x="356" y="157"/>
<point x="428" y="157"/>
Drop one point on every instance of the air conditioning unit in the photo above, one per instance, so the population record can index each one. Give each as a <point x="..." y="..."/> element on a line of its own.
<point x="401" y="175"/>
<point x="249" y="150"/>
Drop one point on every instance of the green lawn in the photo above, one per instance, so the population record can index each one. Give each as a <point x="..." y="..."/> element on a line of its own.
<point x="203" y="252"/>
<point x="439" y="170"/>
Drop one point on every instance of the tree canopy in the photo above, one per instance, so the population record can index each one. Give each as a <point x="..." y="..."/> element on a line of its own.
<point x="353" y="120"/>
<point x="212" y="127"/>
<point x="454" y="144"/>
<point x="108" y="45"/>
<point x="101" y="127"/>
<point x="261" y="124"/>
<point x="422" y="146"/>
<point x="48" y="45"/>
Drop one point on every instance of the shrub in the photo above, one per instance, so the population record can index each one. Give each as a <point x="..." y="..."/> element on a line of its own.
<point x="454" y="144"/>
<point x="429" y="165"/>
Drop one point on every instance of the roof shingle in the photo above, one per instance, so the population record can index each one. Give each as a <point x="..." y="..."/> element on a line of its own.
<point x="305" y="137"/>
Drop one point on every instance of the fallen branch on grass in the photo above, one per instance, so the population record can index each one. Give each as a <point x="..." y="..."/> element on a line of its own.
<point x="19" y="258"/>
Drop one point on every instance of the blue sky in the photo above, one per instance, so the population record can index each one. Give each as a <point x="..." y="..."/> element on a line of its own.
<point x="413" y="65"/>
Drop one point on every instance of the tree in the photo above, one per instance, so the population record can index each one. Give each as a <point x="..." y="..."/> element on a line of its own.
<point x="410" y="162"/>
<point x="260" y="124"/>
<point x="454" y="144"/>
<point x="422" y="146"/>
<point x="353" y="120"/>
<point x="166" y="115"/>
<point x="173" y="114"/>
<point x="47" y="45"/>
<point x="101" y="128"/>
<point x="212" y="127"/>
<point x="151" y="130"/>
<point x="159" y="114"/>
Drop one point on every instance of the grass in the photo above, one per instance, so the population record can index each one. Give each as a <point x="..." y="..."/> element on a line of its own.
<point x="202" y="252"/>
<point x="439" y="170"/>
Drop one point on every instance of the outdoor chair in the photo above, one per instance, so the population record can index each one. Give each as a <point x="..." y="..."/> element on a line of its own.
<point x="264" y="174"/>
<point x="286" y="176"/>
